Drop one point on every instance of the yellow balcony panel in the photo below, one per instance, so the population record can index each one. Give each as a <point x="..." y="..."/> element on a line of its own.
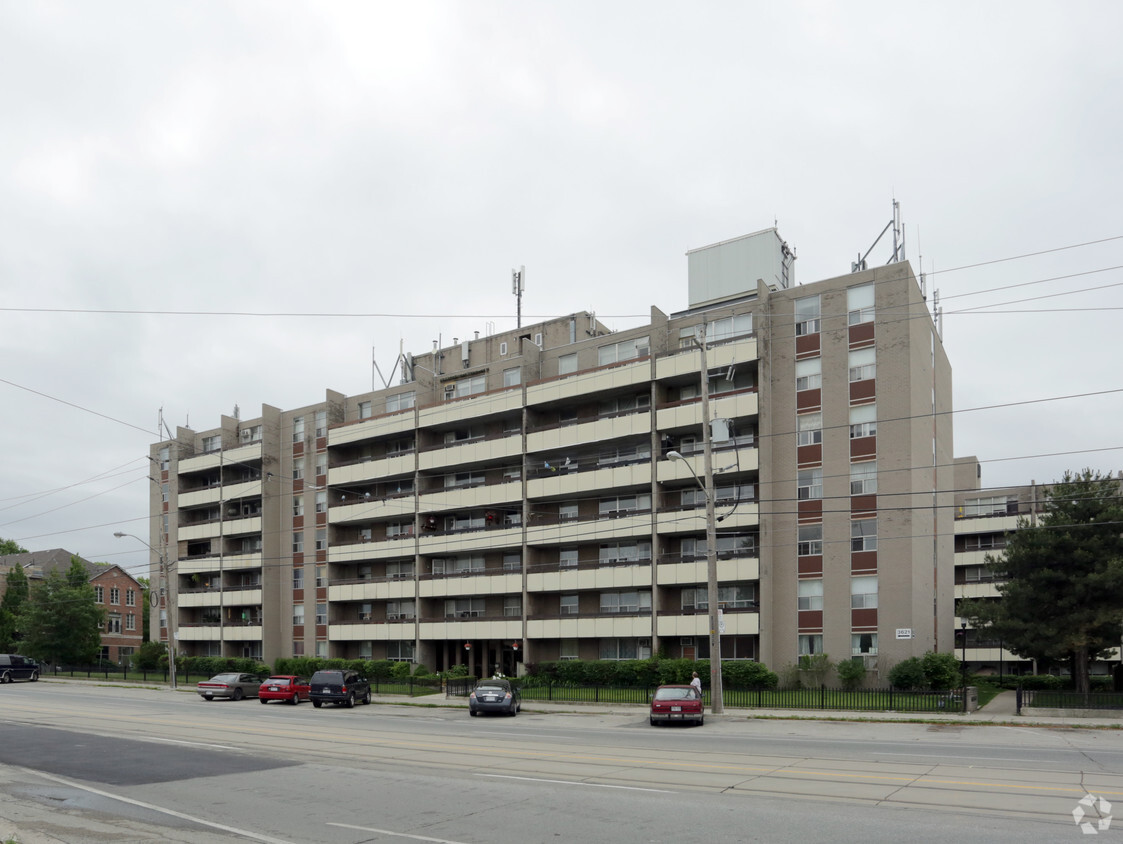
<point x="591" y="381"/>
<point x="477" y="406"/>
<point x="210" y="633"/>
<point x="383" y="631"/>
<point x="472" y="629"/>
<point x="585" y="433"/>
<point x="473" y="540"/>
<point x="698" y="624"/>
<point x="388" y="425"/>
<point x="372" y="470"/>
<point x="735" y="570"/>
<point x="583" y="483"/>
<point x="472" y="451"/>
<point x="241" y="633"/>
<point x="484" y="495"/>
<point x="242" y="454"/>
<point x="622" y="626"/>
<point x="747" y="515"/>
<point x="210" y="598"/>
<point x="365" y="510"/>
<point x="243" y="597"/>
<point x="372" y="590"/>
<point x="977" y="590"/>
<point x="391" y="549"/>
<point x="602" y="577"/>
<point x="473" y="584"/>
<point x="689" y="361"/>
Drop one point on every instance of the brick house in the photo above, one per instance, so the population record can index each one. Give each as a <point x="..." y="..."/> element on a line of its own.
<point x="115" y="590"/>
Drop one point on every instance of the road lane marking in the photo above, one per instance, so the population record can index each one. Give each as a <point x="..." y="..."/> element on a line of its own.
<point x="154" y="808"/>
<point x="395" y="834"/>
<point x="189" y="743"/>
<point x="572" y="782"/>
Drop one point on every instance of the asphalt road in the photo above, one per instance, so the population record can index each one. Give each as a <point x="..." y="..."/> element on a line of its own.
<point x="89" y="763"/>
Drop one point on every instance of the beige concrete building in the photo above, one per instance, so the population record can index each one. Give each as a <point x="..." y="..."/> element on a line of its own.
<point x="512" y="500"/>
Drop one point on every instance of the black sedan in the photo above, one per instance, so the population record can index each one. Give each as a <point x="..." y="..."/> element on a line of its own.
<point x="494" y="696"/>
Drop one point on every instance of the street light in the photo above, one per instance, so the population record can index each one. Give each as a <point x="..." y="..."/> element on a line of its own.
<point x="716" y="703"/>
<point x="963" y="662"/>
<point x="166" y="592"/>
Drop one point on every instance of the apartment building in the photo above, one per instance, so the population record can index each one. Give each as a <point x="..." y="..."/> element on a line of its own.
<point x="519" y="497"/>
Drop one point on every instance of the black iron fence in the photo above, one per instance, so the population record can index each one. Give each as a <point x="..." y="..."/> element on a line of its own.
<point x="821" y="698"/>
<point x="1053" y="699"/>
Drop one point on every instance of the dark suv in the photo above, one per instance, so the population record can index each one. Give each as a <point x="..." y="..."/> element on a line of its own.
<point x="15" y="667"/>
<point x="338" y="685"/>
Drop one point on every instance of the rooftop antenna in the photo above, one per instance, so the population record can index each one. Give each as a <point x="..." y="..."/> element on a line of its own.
<point x="898" y="241"/>
<point x="518" y="283"/>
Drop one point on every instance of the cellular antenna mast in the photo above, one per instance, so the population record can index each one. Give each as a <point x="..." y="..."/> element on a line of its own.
<point x="898" y="241"/>
<point x="518" y="281"/>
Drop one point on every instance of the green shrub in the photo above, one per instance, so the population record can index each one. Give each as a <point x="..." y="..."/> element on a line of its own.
<point x="150" y="656"/>
<point x="789" y="676"/>
<point x="815" y="669"/>
<point x="1042" y="682"/>
<point x="851" y="673"/>
<point x="741" y="674"/>
<point x="941" y="671"/>
<point x="908" y="674"/>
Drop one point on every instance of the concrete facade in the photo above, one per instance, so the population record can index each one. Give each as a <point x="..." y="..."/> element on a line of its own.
<point x="512" y="500"/>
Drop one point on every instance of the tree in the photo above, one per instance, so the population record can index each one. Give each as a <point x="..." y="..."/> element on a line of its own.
<point x="61" y="622"/>
<point x="1062" y="598"/>
<point x="15" y="596"/>
<point x="9" y="546"/>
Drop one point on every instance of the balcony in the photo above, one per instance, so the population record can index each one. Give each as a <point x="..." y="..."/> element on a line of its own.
<point x="380" y="589"/>
<point x="723" y="353"/>
<point x="492" y="627"/>
<point x="507" y="446"/>
<point x="381" y="631"/>
<point x="486" y="582"/>
<point x="612" y="625"/>
<point x="677" y="569"/>
<point x="626" y="574"/>
<point x="616" y="376"/>
<point x="737" y="623"/>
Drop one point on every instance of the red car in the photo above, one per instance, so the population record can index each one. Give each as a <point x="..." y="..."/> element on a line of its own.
<point x="676" y="703"/>
<point x="286" y="687"/>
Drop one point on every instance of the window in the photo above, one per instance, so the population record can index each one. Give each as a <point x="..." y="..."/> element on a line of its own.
<point x="400" y="650"/>
<point x="625" y="454"/>
<point x="512" y="562"/>
<point x="625" y="649"/>
<point x="503" y="348"/>
<point x="321" y="649"/>
<point x="863" y="592"/>
<point x="807" y="315"/>
<point x="567" y="558"/>
<point x="321" y="501"/>
<point x="810" y="644"/>
<point x="625" y="404"/>
<point x="397" y="530"/>
<point x="298" y="647"/>
<point x="298" y="505"/>
<point x="465" y="479"/>
<point x="567" y="512"/>
<point x="298" y="614"/>
<point x="321" y="575"/>
<point x="984" y="542"/>
<point x="364" y="410"/>
<point x="114" y="596"/>
<point x="464" y="607"/>
<point x="624" y="505"/>
<point x="863" y="478"/>
<point x="163" y="617"/>
<point x="321" y="613"/>
<point x="637" y="347"/>
<point x="130" y="597"/>
<point x="567" y="364"/>
<point x="741" y="545"/>
<point x="995" y="506"/>
<point x="810" y="595"/>
<point x="298" y="578"/>
<point x="212" y="444"/>
<point x="809" y="374"/>
<point x="863" y="364"/>
<point x="568" y="605"/>
<point x="625" y="602"/>
<point x="625" y="552"/>
<point x="512" y="376"/>
<point x="810" y="541"/>
<point x="130" y="621"/>
<point x="164" y="493"/>
<point x="298" y="468"/>
<point x="736" y="597"/>
<point x="298" y="429"/>
<point x="321" y="539"/>
<point x="399" y="570"/>
<point x="718" y="330"/>
<point x="466" y="387"/>
<point x="512" y="606"/>
<point x="863" y="535"/>
<point x="321" y="423"/>
<point x="250" y="435"/>
<point x="99" y="594"/>
<point x="400" y="401"/>
<point x="321" y="465"/>
<point x="567" y="649"/>
<point x="113" y="623"/>
<point x="809" y="484"/>
<point x="165" y="457"/>
<point x="863" y="643"/>
<point x="810" y="427"/>
<point x="859" y="304"/>
<point x="400" y="610"/>
<point x="458" y="565"/>
<point x="863" y="421"/>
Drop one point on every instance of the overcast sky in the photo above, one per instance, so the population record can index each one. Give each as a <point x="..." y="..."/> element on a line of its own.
<point x="376" y="170"/>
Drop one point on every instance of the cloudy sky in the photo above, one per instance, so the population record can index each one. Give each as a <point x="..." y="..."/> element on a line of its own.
<point x="205" y="205"/>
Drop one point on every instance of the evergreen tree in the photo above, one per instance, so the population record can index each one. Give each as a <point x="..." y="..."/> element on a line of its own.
<point x="1062" y="598"/>
<point x="15" y="596"/>
<point x="61" y="622"/>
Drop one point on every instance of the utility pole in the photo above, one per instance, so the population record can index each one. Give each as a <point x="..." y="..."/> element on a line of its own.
<point x="166" y="600"/>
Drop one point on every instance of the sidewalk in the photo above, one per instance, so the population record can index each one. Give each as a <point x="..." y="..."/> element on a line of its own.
<point x="1001" y="710"/>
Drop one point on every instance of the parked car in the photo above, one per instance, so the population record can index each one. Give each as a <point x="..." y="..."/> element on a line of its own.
<point x="495" y="695"/>
<point x="15" y="667"/>
<point x="233" y="686"/>
<point x="338" y="685"/>
<point x="676" y="703"/>
<point x="286" y="687"/>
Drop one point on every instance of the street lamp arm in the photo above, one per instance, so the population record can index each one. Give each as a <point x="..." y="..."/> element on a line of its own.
<point x="674" y="455"/>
